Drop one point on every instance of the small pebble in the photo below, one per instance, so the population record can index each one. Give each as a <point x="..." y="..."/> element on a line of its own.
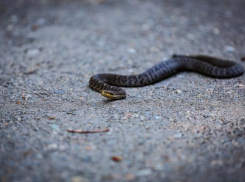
<point x="131" y="50"/>
<point x="27" y="97"/>
<point x="157" y="117"/>
<point x="178" y="91"/>
<point x="229" y="49"/>
<point x="216" y="163"/>
<point x="54" y="127"/>
<point x="51" y="118"/>
<point x="216" y="30"/>
<point x="116" y="158"/>
<point x="71" y="112"/>
<point x="89" y="148"/>
<point x="146" y="27"/>
<point x="178" y="135"/>
<point x="10" y="28"/>
<point x="159" y="167"/>
<point x="59" y="92"/>
<point x="18" y="118"/>
<point x="52" y="146"/>
<point x="144" y="172"/>
<point x="32" y="52"/>
<point x="39" y="156"/>
<point x="240" y="85"/>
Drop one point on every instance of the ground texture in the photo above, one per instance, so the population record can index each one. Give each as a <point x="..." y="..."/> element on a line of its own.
<point x="186" y="128"/>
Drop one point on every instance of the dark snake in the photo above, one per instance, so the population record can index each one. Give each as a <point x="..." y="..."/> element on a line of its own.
<point x="107" y="84"/>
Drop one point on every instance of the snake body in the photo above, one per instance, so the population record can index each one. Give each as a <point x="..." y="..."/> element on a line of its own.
<point x="107" y="84"/>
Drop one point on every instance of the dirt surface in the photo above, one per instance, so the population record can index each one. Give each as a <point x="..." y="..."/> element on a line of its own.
<point x="186" y="128"/>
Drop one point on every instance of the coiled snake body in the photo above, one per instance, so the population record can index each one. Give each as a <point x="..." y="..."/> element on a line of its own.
<point x="107" y="84"/>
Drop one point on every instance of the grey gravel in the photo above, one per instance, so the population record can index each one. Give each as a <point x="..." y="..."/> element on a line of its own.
<point x="186" y="128"/>
<point x="144" y="172"/>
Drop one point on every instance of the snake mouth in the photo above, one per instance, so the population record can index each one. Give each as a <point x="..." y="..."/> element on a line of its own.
<point x="112" y="95"/>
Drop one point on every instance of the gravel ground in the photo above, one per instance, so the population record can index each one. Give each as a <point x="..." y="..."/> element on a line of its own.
<point x="186" y="128"/>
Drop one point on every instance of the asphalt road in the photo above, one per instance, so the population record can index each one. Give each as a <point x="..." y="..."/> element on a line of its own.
<point x="186" y="128"/>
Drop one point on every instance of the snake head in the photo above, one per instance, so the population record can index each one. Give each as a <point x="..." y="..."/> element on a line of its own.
<point x="114" y="95"/>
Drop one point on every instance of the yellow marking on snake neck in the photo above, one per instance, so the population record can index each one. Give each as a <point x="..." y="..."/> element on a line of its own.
<point x="107" y="94"/>
<point x="112" y="96"/>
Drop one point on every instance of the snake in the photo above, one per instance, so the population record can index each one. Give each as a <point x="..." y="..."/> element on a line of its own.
<point x="108" y="84"/>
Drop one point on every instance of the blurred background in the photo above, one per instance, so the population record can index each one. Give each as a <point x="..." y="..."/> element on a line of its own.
<point x="185" y="128"/>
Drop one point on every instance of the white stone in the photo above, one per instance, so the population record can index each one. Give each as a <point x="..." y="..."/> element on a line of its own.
<point x="131" y="50"/>
<point x="32" y="52"/>
<point x="229" y="49"/>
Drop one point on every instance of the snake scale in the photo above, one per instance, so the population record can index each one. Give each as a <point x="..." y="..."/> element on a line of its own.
<point x="107" y="84"/>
